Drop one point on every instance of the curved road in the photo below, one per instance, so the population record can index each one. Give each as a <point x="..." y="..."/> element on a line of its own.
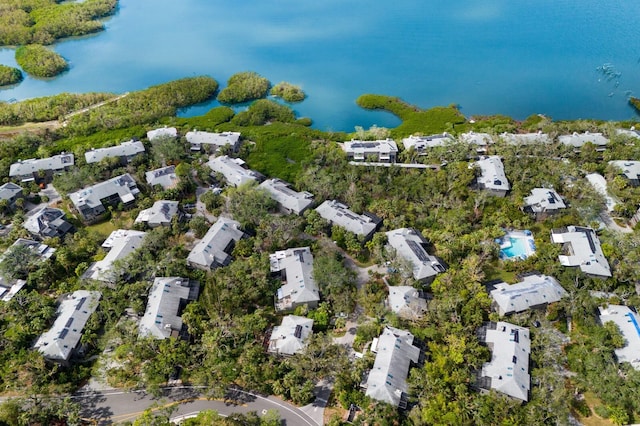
<point x="114" y="406"/>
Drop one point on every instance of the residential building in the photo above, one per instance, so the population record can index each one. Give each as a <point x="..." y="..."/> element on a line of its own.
<point x="160" y="214"/>
<point x="48" y="223"/>
<point x="632" y="132"/>
<point x="215" y="140"/>
<point x="164" y="176"/>
<point x="161" y="133"/>
<point x="480" y="140"/>
<point x="526" y="138"/>
<point x="628" y="322"/>
<point x="339" y="214"/>
<point x="492" y="177"/>
<point x="10" y="192"/>
<point x="384" y="151"/>
<point x="422" y="143"/>
<point x="41" y="169"/>
<point x="9" y="288"/>
<point x="508" y="370"/>
<point x="120" y="244"/>
<point x="291" y="336"/>
<point x="577" y="140"/>
<point x="9" y="285"/>
<point x="167" y="299"/>
<point x="233" y="171"/>
<point x="288" y="199"/>
<point x="407" y="302"/>
<point x="295" y="267"/>
<point x="395" y="353"/>
<point x="61" y="341"/>
<point x="629" y="169"/>
<point x="42" y="251"/>
<point x="410" y="245"/>
<point x="581" y="247"/>
<point x="90" y="202"/>
<point x="532" y="292"/>
<point x="215" y="248"/>
<point x="125" y="151"/>
<point x="543" y="202"/>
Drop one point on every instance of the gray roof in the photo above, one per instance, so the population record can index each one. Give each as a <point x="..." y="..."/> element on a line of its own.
<point x="525" y="138"/>
<point x="125" y="149"/>
<point x="406" y="302"/>
<point x="629" y="323"/>
<point x="473" y="138"/>
<point x="300" y="287"/>
<point x="232" y="169"/>
<point x="420" y="143"/>
<point x="198" y="138"/>
<point x="291" y="336"/>
<point x="579" y="139"/>
<point x="43" y="251"/>
<point x="583" y="250"/>
<point x="210" y="251"/>
<point x="120" y="243"/>
<point x="508" y="369"/>
<point x="544" y="200"/>
<point x="339" y="214"/>
<point x="9" y="289"/>
<point x="160" y="213"/>
<point x="165" y="298"/>
<point x="387" y="379"/>
<point x="75" y="309"/>
<point x="492" y="174"/>
<point x="164" y="176"/>
<point x="28" y="167"/>
<point x="360" y="149"/>
<point x="632" y="132"/>
<point x="123" y="185"/>
<point x="408" y="244"/>
<point x="289" y="199"/>
<point x="162" y="132"/>
<point x="9" y="190"/>
<point x="533" y="290"/>
<point x="631" y="169"/>
<point x="47" y="222"/>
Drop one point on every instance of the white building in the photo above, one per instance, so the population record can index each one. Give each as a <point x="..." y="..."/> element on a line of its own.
<point x="480" y="140"/>
<point x="295" y="267"/>
<point x="120" y="244"/>
<point x="409" y="244"/>
<point x="339" y="214"/>
<point x="629" y="169"/>
<point x="163" y="132"/>
<point x="629" y="324"/>
<point x="233" y="170"/>
<point x="579" y="139"/>
<point x="533" y="291"/>
<point x="581" y="247"/>
<point x="164" y="176"/>
<point x="90" y="202"/>
<point x="60" y="342"/>
<point x="492" y="177"/>
<point x="422" y="143"/>
<point x="160" y="214"/>
<point x="215" y="248"/>
<point x="525" y="138"/>
<point x="29" y="170"/>
<point x="407" y="302"/>
<point x="291" y="336"/>
<point x="384" y="151"/>
<point x="543" y="201"/>
<point x="508" y="370"/>
<point x="215" y="140"/>
<point x="125" y="151"/>
<point x="288" y="199"/>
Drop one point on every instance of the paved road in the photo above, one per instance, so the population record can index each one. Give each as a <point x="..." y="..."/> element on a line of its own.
<point x="108" y="407"/>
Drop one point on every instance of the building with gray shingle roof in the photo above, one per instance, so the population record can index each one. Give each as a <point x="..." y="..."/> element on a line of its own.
<point x="288" y="199"/>
<point x="525" y="138"/>
<point x="422" y="143"/>
<point x="10" y="192"/>
<point x="407" y="302"/>
<point x="167" y="299"/>
<point x="508" y="370"/>
<point x="384" y="151"/>
<point x="48" y="223"/>
<point x="579" y="139"/>
<point x="629" y="169"/>
<point x="59" y="343"/>
<point x="120" y="244"/>
<point x="233" y="171"/>
<point x="632" y="132"/>
<point x="480" y="140"/>
<point x="387" y="380"/>
<point x="28" y="170"/>
<point x="628" y="322"/>
<point x="160" y="214"/>
<point x="10" y="286"/>
<point x="125" y="151"/>
<point x="543" y="201"/>
<point x="581" y="247"/>
<point x="492" y="177"/>
<point x="533" y="291"/>
<point x="162" y="132"/>
<point x="339" y="214"/>
<point x="164" y="176"/>
<point x="215" y="248"/>
<point x="295" y="267"/>
<point x="89" y="202"/>
<point x="409" y="244"/>
<point x="291" y="336"/>
<point x="216" y="140"/>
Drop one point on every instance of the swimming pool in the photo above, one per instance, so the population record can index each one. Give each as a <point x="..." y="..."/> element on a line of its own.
<point x="518" y="248"/>
<point x="516" y="245"/>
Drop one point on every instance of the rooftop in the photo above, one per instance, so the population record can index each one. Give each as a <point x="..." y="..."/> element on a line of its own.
<point x="409" y="244"/>
<point x="492" y="174"/>
<point x="370" y="147"/>
<point x="164" y="176"/>
<point x="88" y="198"/>
<point x="167" y="298"/>
<point x="125" y="149"/>
<point x="544" y="200"/>
<point x="299" y="286"/>
<point x="233" y="171"/>
<point x="121" y="243"/>
<point x="47" y="222"/>
<point x="162" y="212"/>
<point x="630" y="169"/>
<point x="197" y="137"/>
<point x="291" y="336"/>
<point x="28" y="167"/>
<point x="214" y="248"/>
<point x="339" y="214"/>
<point x="525" y="138"/>
<point x="406" y="302"/>
<point x="582" y="249"/>
<point x="289" y="199"/>
<point x="9" y="190"/>
<point x="480" y="139"/>
<point x="533" y="290"/>
<point x="629" y="323"/>
<point x="579" y="139"/>
<point x="420" y="143"/>
<point x="163" y="132"/>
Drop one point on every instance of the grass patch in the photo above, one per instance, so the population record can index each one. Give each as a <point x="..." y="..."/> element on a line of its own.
<point x="593" y="420"/>
<point x="99" y="139"/>
<point x="103" y="228"/>
<point x="493" y="272"/>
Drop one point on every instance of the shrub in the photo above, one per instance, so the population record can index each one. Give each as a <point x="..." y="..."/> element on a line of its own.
<point x="9" y="75"/>
<point x="264" y="111"/>
<point x="288" y="92"/>
<point x="243" y="87"/>
<point x="39" y="61"/>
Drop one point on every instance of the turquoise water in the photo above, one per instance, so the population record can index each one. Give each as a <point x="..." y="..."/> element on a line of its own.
<point x="518" y="248"/>
<point x="490" y="57"/>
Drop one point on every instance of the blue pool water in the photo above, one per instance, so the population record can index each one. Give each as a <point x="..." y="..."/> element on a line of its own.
<point x="565" y="58"/>
<point x="518" y="248"/>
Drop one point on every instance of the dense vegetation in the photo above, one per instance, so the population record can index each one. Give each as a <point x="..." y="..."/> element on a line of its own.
<point x="243" y="87"/>
<point x="287" y="91"/>
<point x="39" y="61"/>
<point x="45" y="21"/>
<point x="9" y="75"/>
<point x="231" y="320"/>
